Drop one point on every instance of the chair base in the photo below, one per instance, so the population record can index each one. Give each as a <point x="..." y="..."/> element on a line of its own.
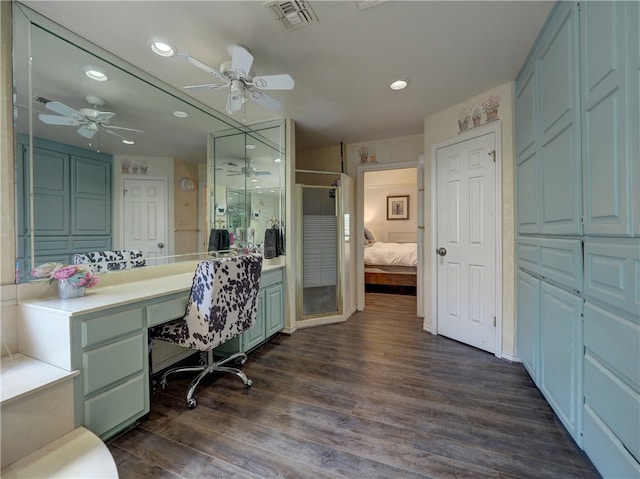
<point x="211" y="366"/>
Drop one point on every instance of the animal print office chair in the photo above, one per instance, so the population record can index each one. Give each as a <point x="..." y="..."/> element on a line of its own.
<point x="100" y="261"/>
<point x="223" y="303"/>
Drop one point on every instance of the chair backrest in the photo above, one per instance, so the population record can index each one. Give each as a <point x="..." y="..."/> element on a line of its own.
<point x="223" y="301"/>
<point x="100" y="261"/>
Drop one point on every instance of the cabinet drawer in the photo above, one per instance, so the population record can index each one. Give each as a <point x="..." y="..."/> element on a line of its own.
<point x="104" y="328"/>
<point x="112" y="362"/>
<point x="561" y="261"/>
<point x="118" y="406"/>
<point x="612" y="272"/>
<point x="614" y="402"/>
<point x="166" y="311"/>
<point x="268" y="278"/>
<point x="528" y="254"/>
<point x="614" y="338"/>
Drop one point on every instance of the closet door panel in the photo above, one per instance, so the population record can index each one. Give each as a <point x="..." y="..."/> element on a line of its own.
<point x="528" y="171"/>
<point x="91" y="196"/>
<point x="560" y="185"/>
<point x="606" y="159"/>
<point x="50" y="192"/>
<point x="528" y="325"/>
<point x="561" y="355"/>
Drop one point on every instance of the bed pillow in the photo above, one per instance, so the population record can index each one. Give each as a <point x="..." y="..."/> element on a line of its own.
<point x="369" y="239"/>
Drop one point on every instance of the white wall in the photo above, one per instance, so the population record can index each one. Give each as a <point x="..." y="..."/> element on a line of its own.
<point x="377" y="186"/>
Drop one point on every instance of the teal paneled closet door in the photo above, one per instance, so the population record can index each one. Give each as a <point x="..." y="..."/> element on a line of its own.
<point x="607" y="101"/>
<point x="50" y="193"/>
<point x="90" y="196"/>
<point x="560" y="184"/>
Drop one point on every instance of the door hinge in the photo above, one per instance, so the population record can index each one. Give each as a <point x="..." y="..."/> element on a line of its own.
<point x="492" y="154"/>
<point x="494" y="321"/>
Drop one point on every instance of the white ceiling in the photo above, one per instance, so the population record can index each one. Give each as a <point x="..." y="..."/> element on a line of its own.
<point x="342" y="65"/>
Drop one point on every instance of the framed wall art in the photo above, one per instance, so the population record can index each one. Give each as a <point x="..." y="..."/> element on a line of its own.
<point x="398" y="207"/>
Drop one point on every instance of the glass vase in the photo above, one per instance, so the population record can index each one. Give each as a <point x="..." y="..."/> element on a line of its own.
<point x="67" y="289"/>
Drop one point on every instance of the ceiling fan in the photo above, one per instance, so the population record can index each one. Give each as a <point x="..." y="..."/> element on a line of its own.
<point x="238" y="74"/>
<point x="90" y="120"/>
<point x="247" y="171"/>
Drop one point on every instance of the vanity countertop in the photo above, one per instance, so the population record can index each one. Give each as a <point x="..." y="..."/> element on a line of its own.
<point x="103" y="297"/>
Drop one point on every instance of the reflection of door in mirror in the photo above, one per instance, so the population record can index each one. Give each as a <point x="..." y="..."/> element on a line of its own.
<point x="145" y="211"/>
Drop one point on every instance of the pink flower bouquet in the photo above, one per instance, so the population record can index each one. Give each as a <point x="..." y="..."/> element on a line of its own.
<point x="78" y="275"/>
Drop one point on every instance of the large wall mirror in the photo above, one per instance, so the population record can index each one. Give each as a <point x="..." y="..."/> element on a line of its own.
<point x="247" y="172"/>
<point x="100" y="162"/>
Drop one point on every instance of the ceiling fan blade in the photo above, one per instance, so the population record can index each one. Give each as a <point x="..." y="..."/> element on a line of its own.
<point x="274" y="82"/>
<point x="58" y="120"/>
<point x="197" y="63"/>
<point x="262" y="173"/>
<point x="265" y="100"/>
<point x="208" y="86"/>
<point x="234" y="103"/>
<point x="241" y="60"/>
<point x="63" y="109"/>
<point x="87" y="132"/>
<point x="116" y="134"/>
<point x="104" y="116"/>
<point x="114" y="127"/>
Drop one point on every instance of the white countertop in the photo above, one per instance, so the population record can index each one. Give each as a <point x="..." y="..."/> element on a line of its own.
<point x="101" y="297"/>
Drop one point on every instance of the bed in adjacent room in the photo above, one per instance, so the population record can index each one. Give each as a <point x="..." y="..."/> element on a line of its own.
<point x="391" y="265"/>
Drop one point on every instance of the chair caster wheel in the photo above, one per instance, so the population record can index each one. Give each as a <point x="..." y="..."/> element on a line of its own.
<point x="163" y="385"/>
<point x="249" y="383"/>
<point x="191" y="404"/>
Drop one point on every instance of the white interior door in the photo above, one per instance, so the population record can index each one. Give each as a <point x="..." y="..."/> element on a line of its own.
<point x="466" y="241"/>
<point x="144" y="216"/>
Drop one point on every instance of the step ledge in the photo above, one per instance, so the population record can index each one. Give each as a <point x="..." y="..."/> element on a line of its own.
<point x="23" y="375"/>
<point x="77" y="454"/>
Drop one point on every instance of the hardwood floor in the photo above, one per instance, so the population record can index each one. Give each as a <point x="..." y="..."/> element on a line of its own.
<point x="375" y="397"/>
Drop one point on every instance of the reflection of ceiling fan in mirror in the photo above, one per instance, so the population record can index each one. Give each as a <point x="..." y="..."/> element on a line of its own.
<point x="246" y="171"/>
<point x="238" y="74"/>
<point x="90" y="120"/>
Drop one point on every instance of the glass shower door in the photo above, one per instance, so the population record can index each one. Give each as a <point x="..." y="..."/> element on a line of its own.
<point x="320" y="239"/>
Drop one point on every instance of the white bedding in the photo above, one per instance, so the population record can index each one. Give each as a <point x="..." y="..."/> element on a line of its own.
<point x="391" y="254"/>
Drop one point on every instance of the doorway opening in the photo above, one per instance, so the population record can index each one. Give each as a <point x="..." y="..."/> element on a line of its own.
<point x="390" y="231"/>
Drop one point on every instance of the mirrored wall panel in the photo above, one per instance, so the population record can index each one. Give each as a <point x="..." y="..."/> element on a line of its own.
<point x="112" y="162"/>
<point x="247" y="202"/>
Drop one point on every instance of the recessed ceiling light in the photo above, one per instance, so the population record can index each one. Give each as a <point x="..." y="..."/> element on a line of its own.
<point x="278" y="160"/>
<point x="254" y="180"/>
<point x="250" y="147"/>
<point x="399" y="84"/>
<point x="163" y="49"/>
<point x="96" y="75"/>
<point x="180" y="114"/>
<point x="258" y="186"/>
<point x="128" y="142"/>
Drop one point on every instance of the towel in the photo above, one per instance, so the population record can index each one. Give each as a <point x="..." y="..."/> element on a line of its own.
<point x="273" y="243"/>
<point x="218" y="240"/>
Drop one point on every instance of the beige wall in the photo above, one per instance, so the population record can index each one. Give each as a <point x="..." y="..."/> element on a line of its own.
<point x="443" y="126"/>
<point x="7" y="236"/>
<point x="185" y="208"/>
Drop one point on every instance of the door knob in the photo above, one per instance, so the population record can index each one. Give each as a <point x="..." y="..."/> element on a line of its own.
<point x="441" y="251"/>
<point x="160" y="245"/>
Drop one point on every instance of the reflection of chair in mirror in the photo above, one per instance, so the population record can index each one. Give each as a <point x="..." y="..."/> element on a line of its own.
<point x="101" y="261"/>
<point x="223" y="303"/>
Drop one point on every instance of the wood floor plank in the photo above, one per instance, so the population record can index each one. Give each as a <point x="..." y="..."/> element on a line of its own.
<point x="373" y="397"/>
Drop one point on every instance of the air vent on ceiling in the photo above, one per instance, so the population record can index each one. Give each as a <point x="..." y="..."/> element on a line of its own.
<point x="293" y="13"/>
<point x="42" y="100"/>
